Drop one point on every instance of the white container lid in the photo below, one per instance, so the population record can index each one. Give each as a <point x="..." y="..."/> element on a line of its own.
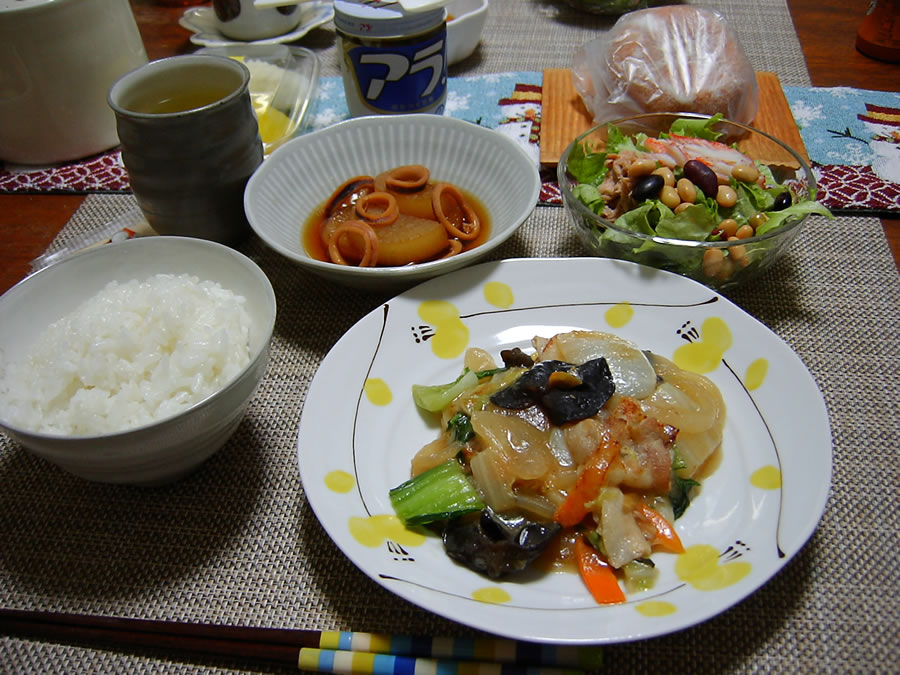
<point x="366" y="19"/>
<point x="20" y="5"/>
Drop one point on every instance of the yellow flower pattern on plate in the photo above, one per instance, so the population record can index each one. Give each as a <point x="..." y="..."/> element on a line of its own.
<point x="499" y="294"/>
<point x="375" y="530"/>
<point x="491" y="594"/>
<point x="653" y="608"/>
<point x="451" y="336"/>
<point x="705" y="354"/>
<point x="756" y="374"/>
<point x="701" y="567"/>
<point x="619" y="315"/>
<point x="339" y="481"/>
<point x="377" y="391"/>
<point x="766" y="478"/>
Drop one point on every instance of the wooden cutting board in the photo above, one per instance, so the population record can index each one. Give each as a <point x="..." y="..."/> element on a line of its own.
<point x="563" y="117"/>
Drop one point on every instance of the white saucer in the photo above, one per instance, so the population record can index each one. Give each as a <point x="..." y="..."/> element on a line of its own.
<point x="202" y="22"/>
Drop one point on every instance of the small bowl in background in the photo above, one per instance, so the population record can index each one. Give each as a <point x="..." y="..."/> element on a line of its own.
<point x="465" y="22"/>
<point x="168" y="449"/>
<point x="745" y="258"/>
<point x="608" y="7"/>
<point x="297" y="179"/>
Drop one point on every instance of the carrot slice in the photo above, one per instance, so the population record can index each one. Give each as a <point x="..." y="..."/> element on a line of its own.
<point x="597" y="574"/>
<point x="666" y="536"/>
<point x="592" y="477"/>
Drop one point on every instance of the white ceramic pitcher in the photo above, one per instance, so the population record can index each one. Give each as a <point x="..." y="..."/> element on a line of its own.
<point x="58" y="59"/>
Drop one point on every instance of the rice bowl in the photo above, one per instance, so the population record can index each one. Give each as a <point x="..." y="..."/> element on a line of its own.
<point x="200" y="389"/>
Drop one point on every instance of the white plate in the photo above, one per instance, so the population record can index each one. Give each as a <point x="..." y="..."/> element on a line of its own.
<point x="201" y="21"/>
<point x="353" y="446"/>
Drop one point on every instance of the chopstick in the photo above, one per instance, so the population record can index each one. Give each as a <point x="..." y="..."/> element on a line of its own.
<point x="322" y="651"/>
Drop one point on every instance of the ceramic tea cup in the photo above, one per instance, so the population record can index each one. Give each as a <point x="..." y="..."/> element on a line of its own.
<point x="190" y="142"/>
<point x="243" y="20"/>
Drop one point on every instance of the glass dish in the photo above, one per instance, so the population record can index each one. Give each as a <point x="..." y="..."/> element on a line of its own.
<point x="282" y="82"/>
<point x="742" y="259"/>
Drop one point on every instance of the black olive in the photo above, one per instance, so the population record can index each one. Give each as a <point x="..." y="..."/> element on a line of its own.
<point x="782" y="201"/>
<point x="702" y="176"/>
<point x="647" y="187"/>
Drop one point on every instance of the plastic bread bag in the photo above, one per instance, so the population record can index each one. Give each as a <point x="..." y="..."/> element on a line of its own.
<point x="675" y="58"/>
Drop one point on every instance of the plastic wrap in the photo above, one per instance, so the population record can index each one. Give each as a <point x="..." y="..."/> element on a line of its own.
<point x="667" y="59"/>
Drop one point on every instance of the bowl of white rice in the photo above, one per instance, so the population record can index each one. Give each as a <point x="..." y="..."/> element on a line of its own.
<point x="134" y="362"/>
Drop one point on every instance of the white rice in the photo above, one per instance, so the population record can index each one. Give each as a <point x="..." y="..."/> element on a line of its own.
<point x="134" y="353"/>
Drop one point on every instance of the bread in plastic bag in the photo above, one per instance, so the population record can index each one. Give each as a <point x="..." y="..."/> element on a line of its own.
<point x="674" y="58"/>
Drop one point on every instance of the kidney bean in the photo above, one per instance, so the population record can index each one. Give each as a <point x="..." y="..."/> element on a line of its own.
<point x="702" y="176"/>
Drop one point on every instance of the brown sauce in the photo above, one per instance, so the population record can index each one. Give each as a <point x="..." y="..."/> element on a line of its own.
<point x="708" y="468"/>
<point x="314" y="245"/>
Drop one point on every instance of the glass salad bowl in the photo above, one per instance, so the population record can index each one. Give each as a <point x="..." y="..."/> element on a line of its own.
<point x="707" y="198"/>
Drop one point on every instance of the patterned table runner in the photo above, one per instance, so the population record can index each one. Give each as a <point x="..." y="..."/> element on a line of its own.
<point x="852" y="136"/>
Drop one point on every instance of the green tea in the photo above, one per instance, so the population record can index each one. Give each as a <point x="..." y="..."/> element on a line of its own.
<point x="161" y="102"/>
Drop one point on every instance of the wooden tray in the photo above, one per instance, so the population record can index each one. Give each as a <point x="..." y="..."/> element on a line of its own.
<point x="563" y="117"/>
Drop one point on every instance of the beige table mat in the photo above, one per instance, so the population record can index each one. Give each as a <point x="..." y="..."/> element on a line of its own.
<point x="236" y="541"/>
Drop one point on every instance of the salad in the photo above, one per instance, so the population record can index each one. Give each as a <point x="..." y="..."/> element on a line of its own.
<point x="685" y="185"/>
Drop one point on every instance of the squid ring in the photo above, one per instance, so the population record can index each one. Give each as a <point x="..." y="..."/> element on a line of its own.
<point x="470" y="222"/>
<point x="456" y="246"/>
<point x="346" y="190"/>
<point x="359" y="229"/>
<point x="409" y="178"/>
<point x="385" y="208"/>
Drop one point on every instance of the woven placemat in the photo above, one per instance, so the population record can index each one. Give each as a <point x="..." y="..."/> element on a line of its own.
<point x="236" y="542"/>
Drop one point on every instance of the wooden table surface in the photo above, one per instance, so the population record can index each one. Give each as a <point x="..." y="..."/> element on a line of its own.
<point x="826" y="28"/>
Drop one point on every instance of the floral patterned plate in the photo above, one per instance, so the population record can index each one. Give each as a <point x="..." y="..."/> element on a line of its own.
<point x="360" y="428"/>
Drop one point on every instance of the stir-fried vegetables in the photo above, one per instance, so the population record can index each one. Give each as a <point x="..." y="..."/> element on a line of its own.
<point x="441" y="493"/>
<point x="549" y="444"/>
<point x="597" y="574"/>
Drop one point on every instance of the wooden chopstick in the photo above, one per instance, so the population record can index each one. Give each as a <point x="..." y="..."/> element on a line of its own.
<point x="283" y="645"/>
<point x="268" y="644"/>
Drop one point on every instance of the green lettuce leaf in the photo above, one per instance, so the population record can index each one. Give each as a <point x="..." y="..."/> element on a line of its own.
<point x="702" y="128"/>
<point x="779" y="218"/>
